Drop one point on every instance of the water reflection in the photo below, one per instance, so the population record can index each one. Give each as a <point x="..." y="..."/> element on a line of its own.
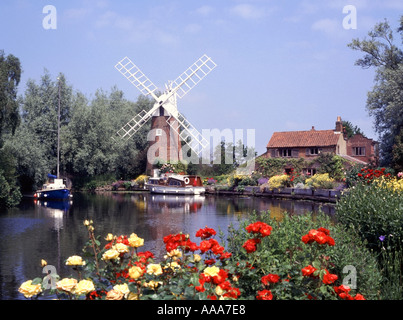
<point x="54" y="230"/>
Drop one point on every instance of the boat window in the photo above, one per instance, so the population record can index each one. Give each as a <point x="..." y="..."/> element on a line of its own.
<point x="174" y="183"/>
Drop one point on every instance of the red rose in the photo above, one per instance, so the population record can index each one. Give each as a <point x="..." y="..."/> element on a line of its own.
<point x="270" y="278"/>
<point x="250" y="245"/>
<point x="264" y="295"/>
<point x="308" y="271"/>
<point x="329" y="278"/>
<point x="205" y="233"/>
<point x="359" y="297"/>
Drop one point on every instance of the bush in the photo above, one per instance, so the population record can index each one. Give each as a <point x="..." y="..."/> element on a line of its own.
<point x="278" y="181"/>
<point x="374" y="210"/>
<point x="320" y="181"/>
<point x="294" y="259"/>
<point x="283" y="253"/>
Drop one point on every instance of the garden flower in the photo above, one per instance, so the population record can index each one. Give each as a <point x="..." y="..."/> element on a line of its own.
<point x="114" y="295"/>
<point x="329" y="278"/>
<point x="110" y="254"/>
<point x="308" y="271"/>
<point x="135" y="272"/>
<point x="321" y="236"/>
<point x="83" y="287"/>
<point x="109" y="237"/>
<point x="121" y="248"/>
<point x="359" y="296"/>
<point x="382" y="238"/>
<point x="135" y="241"/>
<point x="250" y="245"/>
<point x="174" y="254"/>
<point x="260" y="228"/>
<point x="264" y="295"/>
<point x="66" y="284"/>
<point x="196" y="258"/>
<point x="270" y="278"/>
<point x="75" y="261"/>
<point x="154" y="268"/>
<point x="205" y="233"/>
<point x="173" y="265"/>
<point x="211" y="271"/>
<point x="123" y="288"/>
<point x="152" y="284"/>
<point x="44" y="263"/>
<point x="29" y="290"/>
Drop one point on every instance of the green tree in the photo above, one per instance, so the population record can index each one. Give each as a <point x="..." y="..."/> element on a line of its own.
<point x="351" y="130"/>
<point x="385" y="101"/>
<point x="10" y="75"/>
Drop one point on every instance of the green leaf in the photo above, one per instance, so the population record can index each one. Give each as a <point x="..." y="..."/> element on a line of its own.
<point x="36" y="281"/>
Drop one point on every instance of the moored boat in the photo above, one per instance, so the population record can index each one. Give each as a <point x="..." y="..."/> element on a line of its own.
<point x="54" y="189"/>
<point x="176" y="184"/>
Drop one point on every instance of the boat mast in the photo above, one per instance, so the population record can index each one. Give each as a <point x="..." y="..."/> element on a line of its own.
<point x="58" y="132"/>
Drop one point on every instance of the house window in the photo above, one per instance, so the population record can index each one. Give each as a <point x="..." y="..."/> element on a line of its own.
<point x="359" y="151"/>
<point x="314" y="151"/>
<point x="309" y="171"/>
<point x="285" y="152"/>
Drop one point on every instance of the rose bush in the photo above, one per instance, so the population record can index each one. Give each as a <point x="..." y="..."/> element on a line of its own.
<point x="258" y="263"/>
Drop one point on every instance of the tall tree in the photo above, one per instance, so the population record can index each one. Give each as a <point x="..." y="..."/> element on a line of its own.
<point x="10" y="76"/>
<point x="385" y="101"/>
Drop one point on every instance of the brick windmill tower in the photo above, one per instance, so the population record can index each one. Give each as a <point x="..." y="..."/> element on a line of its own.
<point x="169" y="128"/>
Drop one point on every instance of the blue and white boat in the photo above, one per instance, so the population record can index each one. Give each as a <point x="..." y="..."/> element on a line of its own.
<point x="53" y="189"/>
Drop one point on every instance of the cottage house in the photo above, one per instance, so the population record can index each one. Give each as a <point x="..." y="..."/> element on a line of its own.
<point x="310" y="144"/>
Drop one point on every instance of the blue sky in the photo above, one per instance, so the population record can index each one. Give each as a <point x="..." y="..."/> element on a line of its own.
<point x="282" y="65"/>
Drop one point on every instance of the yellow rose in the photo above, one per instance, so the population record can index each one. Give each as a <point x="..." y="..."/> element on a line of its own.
<point x="133" y="296"/>
<point x="29" y="290"/>
<point x="44" y="263"/>
<point x="123" y="288"/>
<point x="196" y="258"/>
<point x="114" y="295"/>
<point x="176" y="253"/>
<point x="135" y="272"/>
<point x="66" y="284"/>
<point x="109" y="237"/>
<point x="152" y="284"/>
<point x="121" y="247"/>
<point x="110" y="254"/>
<point x="173" y="265"/>
<point x="219" y="291"/>
<point x="211" y="271"/>
<point x="154" y="268"/>
<point x="135" y="241"/>
<point x="83" y="287"/>
<point x="75" y="261"/>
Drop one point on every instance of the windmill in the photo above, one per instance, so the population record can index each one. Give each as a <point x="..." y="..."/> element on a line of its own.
<point x="166" y="121"/>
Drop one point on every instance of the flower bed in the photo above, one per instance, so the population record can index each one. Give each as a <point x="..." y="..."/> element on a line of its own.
<point x="248" y="269"/>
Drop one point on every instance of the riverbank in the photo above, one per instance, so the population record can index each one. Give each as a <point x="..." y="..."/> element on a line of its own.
<point x="322" y="195"/>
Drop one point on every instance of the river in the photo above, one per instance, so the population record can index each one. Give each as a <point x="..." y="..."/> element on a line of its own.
<point x="54" y="231"/>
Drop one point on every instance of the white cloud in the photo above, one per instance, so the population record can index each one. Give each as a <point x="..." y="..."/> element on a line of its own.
<point x="205" y="10"/>
<point x="249" y="12"/>
<point x="328" y="26"/>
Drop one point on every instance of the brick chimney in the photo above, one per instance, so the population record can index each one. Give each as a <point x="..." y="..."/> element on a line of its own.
<point x="339" y="125"/>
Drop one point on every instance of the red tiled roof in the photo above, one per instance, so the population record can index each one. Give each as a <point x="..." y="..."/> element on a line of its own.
<point x="311" y="138"/>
